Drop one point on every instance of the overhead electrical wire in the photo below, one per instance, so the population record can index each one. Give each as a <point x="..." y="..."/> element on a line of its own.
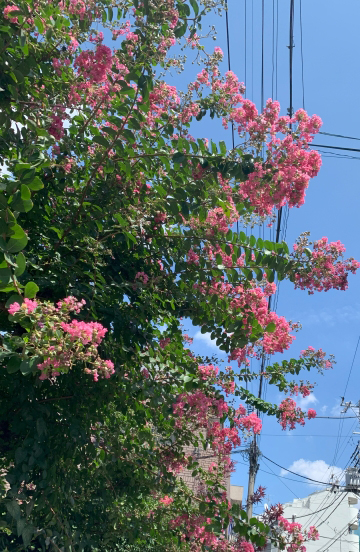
<point x="281" y="479"/>
<point x="302" y="54"/>
<point x="299" y="475"/>
<point x="315" y="511"/>
<point x="315" y="519"/>
<point x="335" y="417"/>
<point x="336" y="538"/>
<point x="334" y="147"/>
<point x="340" y="499"/>
<point x="352" y="365"/>
<point x="341" y="423"/>
<point x="338" y="135"/>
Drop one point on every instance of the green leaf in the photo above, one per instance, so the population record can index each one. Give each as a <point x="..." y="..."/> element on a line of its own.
<point x="13" y="364"/>
<point x="39" y="24"/>
<point x="180" y="31"/>
<point x="16" y="232"/>
<point x="14" y="299"/>
<point x="134" y="124"/>
<point x="36" y="184"/>
<point x="41" y="426"/>
<point x="101" y="140"/>
<point x="27" y="534"/>
<point x="21" y="264"/>
<point x="270" y="328"/>
<point x="5" y="275"/>
<point x="14" y="509"/>
<point x="21" y="205"/>
<point x="15" y="245"/>
<point x="194" y="6"/>
<point x="31" y="290"/>
<point x="178" y="157"/>
<point x="20" y="526"/>
<point x="128" y="135"/>
<point x="29" y="365"/>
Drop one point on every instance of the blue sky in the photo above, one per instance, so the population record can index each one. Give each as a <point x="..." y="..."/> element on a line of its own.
<point x="330" y="320"/>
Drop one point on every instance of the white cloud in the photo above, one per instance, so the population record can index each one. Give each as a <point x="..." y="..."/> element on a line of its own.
<point x="318" y="470"/>
<point x="306" y="402"/>
<point x="323" y="409"/>
<point x="206" y="340"/>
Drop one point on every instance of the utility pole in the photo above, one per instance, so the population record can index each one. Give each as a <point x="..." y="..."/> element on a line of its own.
<point x="252" y="454"/>
<point x="352" y="474"/>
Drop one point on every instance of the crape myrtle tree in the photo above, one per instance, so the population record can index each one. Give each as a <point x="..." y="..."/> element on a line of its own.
<point x="116" y="225"/>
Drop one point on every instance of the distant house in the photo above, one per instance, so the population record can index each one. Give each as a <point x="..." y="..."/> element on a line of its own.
<point x="332" y="512"/>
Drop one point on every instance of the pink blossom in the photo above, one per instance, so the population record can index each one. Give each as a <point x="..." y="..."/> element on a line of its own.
<point x="9" y="9"/>
<point x="144" y="278"/>
<point x="311" y="413"/>
<point x="166" y="500"/>
<point x="87" y="332"/>
<point x="14" y="307"/>
<point x="29" y="305"/>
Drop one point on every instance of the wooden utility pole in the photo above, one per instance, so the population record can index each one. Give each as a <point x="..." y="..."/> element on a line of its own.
<point x="253" y="454"/>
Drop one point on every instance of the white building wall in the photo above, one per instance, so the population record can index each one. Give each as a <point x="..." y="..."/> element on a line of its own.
<point x="334" y="516"/>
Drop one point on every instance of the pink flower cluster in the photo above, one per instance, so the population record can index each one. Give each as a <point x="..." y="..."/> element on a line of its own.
<point x="291" y="414"/>
<point x="86" y="332"/>
<point x="27" y="307"/>
<point x="60" y="342"/>
<point x="208" y="371"/>
<point x="252" y="303"/>
<point x="296" y="535"/>
<point x="289" y="165"/>
<point x="166" y="500"/>
<point x="198" y="407"/>
<point x="95" y="66"/>
<point x="142" y="277"/>
<point x="304" y="390"/>
<point x="318" y="356"/>
<point x="164" y="342"/>
<point x="56" y="127"/>
<point x="195" y="530"/>
<point x="81" y="8"/>
<point x="8" y="9"/>
<point x="323" y="268"/>
<point x="244" y="546"/>
<point x="251" y="423"/>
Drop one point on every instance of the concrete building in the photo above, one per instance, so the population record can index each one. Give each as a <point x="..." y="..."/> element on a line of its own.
<point x="333" y="513"/>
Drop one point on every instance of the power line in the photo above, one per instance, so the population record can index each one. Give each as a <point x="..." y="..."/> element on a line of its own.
<point x="339" y="136"/>
<point x="229" y="58"/>
<point x="341" y="423"/>
<point x="302" y="56"/>
<point x="262" y="53"/>
<point x="334" y="147"/>
<point x="272" y="472"/>
<point x="281" y="480"/>
<point x="315" y="511"/>
<point x="336" y="507"/>
<point x="245" y="44"/>
<point x="352" y="365"/>
<point x="299" y="475"/>
<point x="287" y="435"/>
<point x="334" y="417"/>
